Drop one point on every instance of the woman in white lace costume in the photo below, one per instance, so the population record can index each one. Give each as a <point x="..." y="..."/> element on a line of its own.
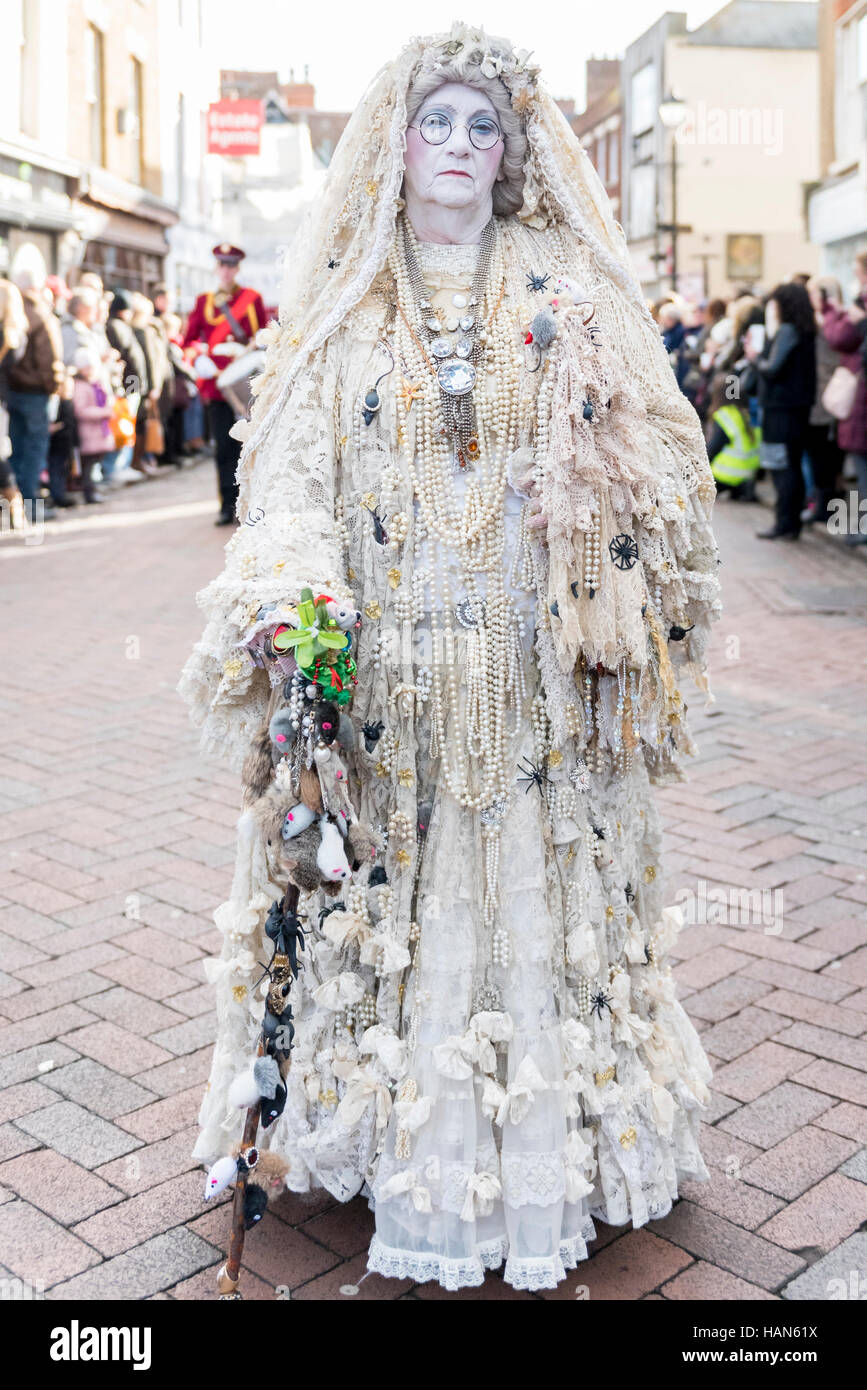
<point x="467" y="428"/>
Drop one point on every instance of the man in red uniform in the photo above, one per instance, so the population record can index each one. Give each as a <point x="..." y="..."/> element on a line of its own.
<point x="219" y="324"/>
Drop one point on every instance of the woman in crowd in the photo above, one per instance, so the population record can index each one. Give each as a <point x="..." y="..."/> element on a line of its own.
<point x="844" y="331"/>
<point x="34" y="377"/>
<point x="13" y="336"/>
<point x="786" y="369"/>
<point x="824" y="455"/>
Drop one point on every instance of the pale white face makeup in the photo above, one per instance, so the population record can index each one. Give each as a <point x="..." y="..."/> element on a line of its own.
<point x="448" y="187"/>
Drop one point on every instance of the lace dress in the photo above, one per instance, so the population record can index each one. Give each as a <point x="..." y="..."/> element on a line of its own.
<point x="479" y="1134"/>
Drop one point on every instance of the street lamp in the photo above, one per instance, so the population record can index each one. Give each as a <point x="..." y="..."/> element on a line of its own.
<point x="672" y="113"/>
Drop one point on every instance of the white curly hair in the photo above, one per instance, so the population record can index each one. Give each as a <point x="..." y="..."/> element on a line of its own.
<point x="475" y="67"/>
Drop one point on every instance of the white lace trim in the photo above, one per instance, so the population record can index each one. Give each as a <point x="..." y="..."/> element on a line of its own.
<point x="446" y="258"/>
<point x="532" y="1274"/>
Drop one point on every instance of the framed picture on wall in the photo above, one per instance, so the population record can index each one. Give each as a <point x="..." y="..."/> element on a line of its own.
<point x="744" y="256"/>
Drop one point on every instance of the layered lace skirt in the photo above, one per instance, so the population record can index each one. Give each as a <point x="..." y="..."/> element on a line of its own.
<point x="487" y="1130"/>
<point x="580" y="1096"/>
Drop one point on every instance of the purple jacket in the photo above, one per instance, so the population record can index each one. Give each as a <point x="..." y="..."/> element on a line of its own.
<point x="845" y="337"/>
<point x="91" y="416"/>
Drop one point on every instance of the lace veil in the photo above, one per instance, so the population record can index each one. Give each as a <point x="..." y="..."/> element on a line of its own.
<point x="344" y="239"/>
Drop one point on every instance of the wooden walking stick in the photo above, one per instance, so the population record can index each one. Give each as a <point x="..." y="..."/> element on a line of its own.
<point x="283" y="965"/>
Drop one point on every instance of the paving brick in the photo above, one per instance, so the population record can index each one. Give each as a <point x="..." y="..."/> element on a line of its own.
<point x="134" y="1011"/>
<point x="759" y="1070"/>
<point x="707" y="1281"/>
<point x="836" y="1081"/>
<point x="740" y="1032"/>
<point x="720" y="1242"/>
<point x="41" y="1027"/>
<point x="85" y="1138"/>
<point x="802" y="982"/>
<point x="277" y="1253"/>
<point x="18" y="1100"/>
<point x="158" y="946"/>
<point x="37" y="1249"/>
<point x="345" y="1229"/>
<point x="838" y="1275"/>
<point x="117" y="1048"/>
<point x="187" y="1037"/>
<point x="822" y="1217"/>
<point x="628" y="1268"/>
<point x="856" y="1166"/>
<point x="776" y="1114"/>
<point x="726" y="997"/>
<point x="146" y="977"/>
<point x="799" y="1161"/>
<point x="61" y="1189"/>
<point x="178" y="1074"/>
<point x="141" y="1272"/>
<point x="97" y="1088"/>
<point x="707" y="969"/>
<point x="163" y="1117"/>
<point x="154" y="1163"/>
<point x="824" y="1042"/>
<point x="24" y="1066"/>
<point x="14" y="1140"/>
<point x="729" y="1195"/>
<point x="32" y="1001"/>
<point x="149" y="1213"/>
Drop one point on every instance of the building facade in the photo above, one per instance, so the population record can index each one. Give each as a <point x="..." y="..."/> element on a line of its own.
<point x="265" y="195"/>
<point x="735" y="175"/>
<point x="98" y="98"/>
<point x="838" y="206"/>
<point x="599" y="126"/>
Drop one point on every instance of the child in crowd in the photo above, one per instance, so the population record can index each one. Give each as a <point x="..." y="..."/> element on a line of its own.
<point x="92" y="412"/>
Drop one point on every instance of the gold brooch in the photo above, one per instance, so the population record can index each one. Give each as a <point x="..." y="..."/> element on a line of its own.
<point x="373" y="609"/>
<point x="628" y="1138"/>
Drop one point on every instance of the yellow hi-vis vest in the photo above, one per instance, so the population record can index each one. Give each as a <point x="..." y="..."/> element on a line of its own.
<point x="740" y="457"/>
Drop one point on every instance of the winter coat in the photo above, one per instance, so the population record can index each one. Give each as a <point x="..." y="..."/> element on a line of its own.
<point x="787" y="384"/>
<point x="92" y="411"/>
<point x="39" y="369"/>
<point x="122" y="337"/>
<point x="845" y="337"/>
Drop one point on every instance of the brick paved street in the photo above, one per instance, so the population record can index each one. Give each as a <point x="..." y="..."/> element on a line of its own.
<point x="115" y="847"/>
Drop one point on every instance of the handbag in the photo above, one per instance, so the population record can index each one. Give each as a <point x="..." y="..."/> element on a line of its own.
<point x="838" y="397"/>
<point x="155" y="442"/>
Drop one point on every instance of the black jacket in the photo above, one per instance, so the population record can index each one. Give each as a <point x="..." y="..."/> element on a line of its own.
<point x="787" y="384"/>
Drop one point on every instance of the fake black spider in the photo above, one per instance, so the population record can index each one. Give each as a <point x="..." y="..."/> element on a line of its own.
<point x="623" y="551"/>
<point x="537" y="283"/>
<point x="599" y="1001"/>
<point x="533" y="776"/>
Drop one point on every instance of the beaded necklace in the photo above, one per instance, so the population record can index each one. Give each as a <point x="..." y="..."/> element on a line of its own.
<point x="470" y="727"/>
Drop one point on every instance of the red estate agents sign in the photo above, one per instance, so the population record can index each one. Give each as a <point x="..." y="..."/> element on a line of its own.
<point x="234" y="126"/>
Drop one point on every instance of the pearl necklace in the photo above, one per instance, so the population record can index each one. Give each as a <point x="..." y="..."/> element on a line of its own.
<point x="470" y="730"/>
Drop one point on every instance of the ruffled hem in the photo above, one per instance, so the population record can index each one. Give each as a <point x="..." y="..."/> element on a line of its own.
<point x="531" y="1274"/>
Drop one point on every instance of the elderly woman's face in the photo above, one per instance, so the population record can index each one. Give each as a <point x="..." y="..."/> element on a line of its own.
<point x="454" y="174"/>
